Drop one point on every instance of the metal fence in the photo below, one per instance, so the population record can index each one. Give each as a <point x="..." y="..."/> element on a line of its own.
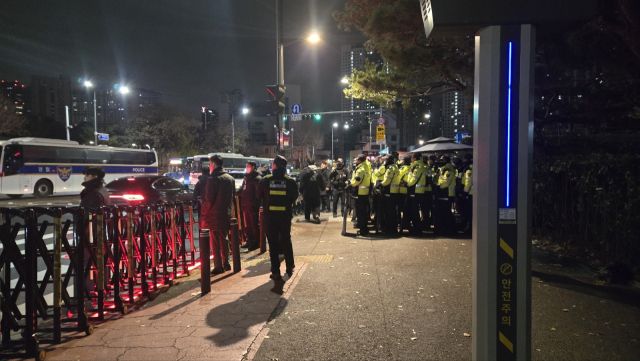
<point x="72" y="266"/>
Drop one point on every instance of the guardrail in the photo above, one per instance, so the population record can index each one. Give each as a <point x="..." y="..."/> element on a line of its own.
<point x="105" y="261"/>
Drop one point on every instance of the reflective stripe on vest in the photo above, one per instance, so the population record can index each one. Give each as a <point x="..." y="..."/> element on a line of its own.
<point x="278" y="193"/>
<point x="276" y="208"/>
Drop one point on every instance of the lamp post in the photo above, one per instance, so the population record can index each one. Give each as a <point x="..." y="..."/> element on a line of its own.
<point x="88" y="84"/>
<point x="335" y="125"/>
<point x="292" y="150"/>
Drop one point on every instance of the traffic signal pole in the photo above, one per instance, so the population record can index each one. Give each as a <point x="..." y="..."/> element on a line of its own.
<point x="280" y="57"/>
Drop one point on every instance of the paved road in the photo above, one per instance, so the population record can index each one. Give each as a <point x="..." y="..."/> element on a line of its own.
<point x="31" y="201"/>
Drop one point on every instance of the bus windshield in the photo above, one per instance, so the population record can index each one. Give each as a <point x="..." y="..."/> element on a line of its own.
<point x="12" y="161"/>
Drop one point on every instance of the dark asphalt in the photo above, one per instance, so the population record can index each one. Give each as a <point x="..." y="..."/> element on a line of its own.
<point x="410" y="299"/>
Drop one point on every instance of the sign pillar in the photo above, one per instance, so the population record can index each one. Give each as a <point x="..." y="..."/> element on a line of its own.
<point x="503" y="150"/>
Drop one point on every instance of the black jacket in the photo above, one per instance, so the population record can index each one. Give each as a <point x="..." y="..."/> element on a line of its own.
<point x="217" y="201"/>
<point x="94" y="195"/>
<point x="326" y="173"/>
<point x="311" y="188"/>
<point x="338" y="177"/>
<point x="199" y="187"/>
<point x="248" y="199"/>
<point x="263" y="192"/>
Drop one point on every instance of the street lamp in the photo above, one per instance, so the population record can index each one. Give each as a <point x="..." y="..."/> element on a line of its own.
<point x="345" y="80"/>
<point x="427" y="116"/>
<point x="124" y="90"/>
<point x="314" y="37"/>
<point x="88" y="85"/>
<point x="335" y="125"/>
<point x="421" y="142"/>
<point x="245" y="111"/>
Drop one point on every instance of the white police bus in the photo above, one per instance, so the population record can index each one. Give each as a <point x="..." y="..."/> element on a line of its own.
<point x="43" y="167"/>
<point x="234" y="164"/>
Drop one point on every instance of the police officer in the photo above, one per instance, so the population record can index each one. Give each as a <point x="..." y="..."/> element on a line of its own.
<point x="426" y="200"/>
<point x="376" y="178"/>
<point x="466" y="198"/>
<point x="416" y="185"/>
<point x="404" y="169"/>
<point x="339" y="178"/>
<point x="278" y="192"/>
<point x="250" y="205"/>
<point x="361" y="181"/>
<point x="446" y="192"/>
<point x="390" y="188"/>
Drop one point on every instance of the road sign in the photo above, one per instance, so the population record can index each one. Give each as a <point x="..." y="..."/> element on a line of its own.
<point x="295" y="117"/>
<point x="460" y="136"/>
<point x="296" y="109"/>
<point x="381" y="121"/>
<point x="380" y="136"/>
<point x="102" y="136"/>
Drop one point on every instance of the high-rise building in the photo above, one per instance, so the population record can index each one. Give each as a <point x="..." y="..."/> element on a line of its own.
<point x="457" y="114"/>
<point x="354" y="58"/>
<point x="112" y="107"/>
<point x="49" y="96"/>
<point x="208" y="118"/>
<point x="230" y="104"/>
<point x="14" y="92"/>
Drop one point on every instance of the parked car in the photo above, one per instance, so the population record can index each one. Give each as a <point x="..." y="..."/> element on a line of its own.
<point x="147" y="190"/>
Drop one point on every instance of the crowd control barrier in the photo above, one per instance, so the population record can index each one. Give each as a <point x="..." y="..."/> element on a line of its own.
<point x="63" y="268"/>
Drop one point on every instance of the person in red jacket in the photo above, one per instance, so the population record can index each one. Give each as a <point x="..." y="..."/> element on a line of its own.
<point x="217" y="210"/>
<point x="250" y="206"/>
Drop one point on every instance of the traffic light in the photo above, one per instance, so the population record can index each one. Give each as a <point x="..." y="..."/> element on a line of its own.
<point x="277" y="91"/>
<point x="317" y="117"/>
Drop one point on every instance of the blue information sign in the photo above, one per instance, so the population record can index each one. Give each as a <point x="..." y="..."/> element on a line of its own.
<point x="103" y="136"/>
<point x="296" y="109"/>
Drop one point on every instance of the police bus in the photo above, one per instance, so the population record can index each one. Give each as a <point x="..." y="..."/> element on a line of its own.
<point x="234" y="164"/>
<point x="43" y="167"/>
<point x="180" y="168"/>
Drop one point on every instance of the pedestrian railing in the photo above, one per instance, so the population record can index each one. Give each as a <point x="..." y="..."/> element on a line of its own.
<point x="74" y="267"/>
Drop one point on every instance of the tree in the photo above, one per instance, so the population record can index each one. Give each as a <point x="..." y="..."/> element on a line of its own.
<point x="414" y="66"/>
<point x="307" y="136"/>
<point x="10" y="123"/>
<point x="218" y="139"/>
<point x="164" y="129"/>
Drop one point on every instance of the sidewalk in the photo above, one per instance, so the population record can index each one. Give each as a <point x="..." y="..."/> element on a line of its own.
<point x="356" y="299"/>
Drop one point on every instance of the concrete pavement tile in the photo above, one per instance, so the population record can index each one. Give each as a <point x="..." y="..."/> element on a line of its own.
<point x="222" y="319"/>
<point x="89" y="353"/>
<point x="141" y="338"/>
<point x="210" y="355"/>
<point x="151" y="353"/>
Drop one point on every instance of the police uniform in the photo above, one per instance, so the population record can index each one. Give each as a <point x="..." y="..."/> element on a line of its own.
<point x="446" y="188"/>
<point x="390" y="190"/>
<point x="278" y="192"/>
<point x="416" y="184"/>
<point x="466" y="205"/>
<point x="361" y="181"/>
<point x="402" y="195"/>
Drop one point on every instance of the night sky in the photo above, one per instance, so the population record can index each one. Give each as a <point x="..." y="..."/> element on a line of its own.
<point x="187" y="50"/>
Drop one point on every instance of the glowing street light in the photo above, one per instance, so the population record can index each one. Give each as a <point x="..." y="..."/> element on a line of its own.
<point x="89" y="84"/>
<point x="314" y="37"/>
<point x="346" y="126"/>
<point x="421" y="142"/>
<point x="345" y="80"/>
<point x="245" y="111"/>
<point x="427" y="116"/>
<point x="124" y="90"/>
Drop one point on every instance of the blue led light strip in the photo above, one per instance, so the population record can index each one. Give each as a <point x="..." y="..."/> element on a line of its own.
<point x="509" y="126"/>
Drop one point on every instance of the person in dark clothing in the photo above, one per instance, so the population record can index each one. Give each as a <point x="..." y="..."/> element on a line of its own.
<point x="217" y="211"/>
<point x="326" y="189"/>
<point x="250" y="206"/>
<point x="94" y="195"/>
<point x="199" y="187"/>
<point x="311" y="184"/>
<point x="278" y="193"/>
<point x="339" y="179"/>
